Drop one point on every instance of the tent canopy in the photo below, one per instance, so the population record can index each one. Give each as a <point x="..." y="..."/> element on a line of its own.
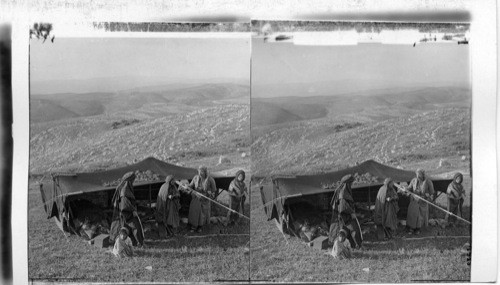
<point x="96" y="181"/>
<point x="282" y="189"/>
<point x="78" y="185"/>
<point x="372" y="167"/>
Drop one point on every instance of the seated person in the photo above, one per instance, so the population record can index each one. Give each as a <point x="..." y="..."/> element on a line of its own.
<point x="307" y="232"/>
<point x="341" y="248"/>
<point x="123" y="244"/>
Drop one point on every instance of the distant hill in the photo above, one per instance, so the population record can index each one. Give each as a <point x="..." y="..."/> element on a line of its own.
<point x="266" y="113"/>
<point x="305" y="147"/>
<point x="121" y="83"/>
<point x="262" y="113"/>
<point x="50" y="107"/>
<point x="375" y="105"/>
<point x="45" y="110"/>
<point x="197" y="136"/>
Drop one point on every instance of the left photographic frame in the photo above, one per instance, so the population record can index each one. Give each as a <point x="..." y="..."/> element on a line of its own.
<point x="139" y="152"/>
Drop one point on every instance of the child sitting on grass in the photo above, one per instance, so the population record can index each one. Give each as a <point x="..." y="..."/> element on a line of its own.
<point x="340" y="250"/>
<point x="123" y="244"/>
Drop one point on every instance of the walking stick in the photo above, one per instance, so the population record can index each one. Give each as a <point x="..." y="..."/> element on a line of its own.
<point x="211" y="200"/>
<point x="140" y="223"/>
<point x="434" y="205"/>
<point x="360" y="230"/>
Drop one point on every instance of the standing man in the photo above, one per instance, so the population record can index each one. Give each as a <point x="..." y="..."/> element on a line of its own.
<point x="237" y="193"/>
<point x="125" y="211"/>
<point x="456" y="194"/>
<point x="418" y="210"/>
<point x="167" y="208"/>
<point x="199" y="209"/>
<point x="343" y="215"/>
<point x="386" y="208"/>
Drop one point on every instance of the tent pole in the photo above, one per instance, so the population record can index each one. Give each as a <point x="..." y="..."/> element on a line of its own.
<point x="281" y="230"/>
<point x="150" y="197"/>
<point x="369" y="196"/>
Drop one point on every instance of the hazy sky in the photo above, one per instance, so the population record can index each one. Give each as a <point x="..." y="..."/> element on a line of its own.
<point x="166" y="58"/>
<point x="360" y="67"/>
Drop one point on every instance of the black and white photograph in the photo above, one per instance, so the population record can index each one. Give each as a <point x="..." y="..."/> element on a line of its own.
<point x="139" y="162"/>
<point x="249" y="142"/>
<point x="361" y="152"/>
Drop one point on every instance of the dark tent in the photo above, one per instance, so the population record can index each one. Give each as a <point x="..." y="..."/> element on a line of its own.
<point x="287" y="196"/>
<point x="68" y="195"/>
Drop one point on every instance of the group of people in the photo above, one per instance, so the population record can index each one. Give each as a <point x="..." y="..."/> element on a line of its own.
<point x="126" y="228"/>
<point x="345" y="226"/>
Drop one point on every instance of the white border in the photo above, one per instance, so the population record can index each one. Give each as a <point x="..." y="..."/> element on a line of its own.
<point x="20" y="134"/>
<point x="483" y="64"/>
<point x="484" y="167"/>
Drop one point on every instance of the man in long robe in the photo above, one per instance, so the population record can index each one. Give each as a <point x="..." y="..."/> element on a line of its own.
<point x="200" y="207"/>
<point x="167" y="208"/>
<point x="125" y="211"/>
<point x="456" y="194"/>
<point x="237" y="193"/>
<point x="343" y="214"/>
<point x="386" y="208"/>
<point x="418" y="210"/>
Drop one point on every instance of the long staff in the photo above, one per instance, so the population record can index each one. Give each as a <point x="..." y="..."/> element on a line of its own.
<point x="140" y="223"/>
<point x="211" y="200"/>
<point x="436" y="206"/>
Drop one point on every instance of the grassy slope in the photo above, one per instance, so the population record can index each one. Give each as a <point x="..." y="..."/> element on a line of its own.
<point x="275" y="259"/>
<point x="54" y="257"/>
<point x="314" y="146"/>
<point x="200" y="135"/>
<point x="399" y="138"/>
<point x="165" y="131"/>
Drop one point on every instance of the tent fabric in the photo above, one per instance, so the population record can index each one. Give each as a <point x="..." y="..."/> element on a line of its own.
<point x="63" y="185"/>
<point x="273" y="205"/>
<point x="274" y="197"/>
<point x="374" y="168"/>
<point x="88" y="182"/>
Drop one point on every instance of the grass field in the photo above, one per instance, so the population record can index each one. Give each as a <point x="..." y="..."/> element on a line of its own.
<point x="221" y="255"/>
<point x="279" y="258"/>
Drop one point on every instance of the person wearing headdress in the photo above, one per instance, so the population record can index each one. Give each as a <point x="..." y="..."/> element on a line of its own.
<point x="125" y="211"/>
<point x="123" y="244"/>
<point x="237" y="193"/>
<point x="386" y="208"/>
<point x="418" y="210"/>
<point x="456" y="194"/>
<point x="343" y="214"/>
<point x="167" y="208"/>
<point x="200" y="207"/>
<point x="340" y="250"/>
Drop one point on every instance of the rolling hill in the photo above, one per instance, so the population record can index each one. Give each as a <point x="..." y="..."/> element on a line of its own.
<point x="192" y="125"/>
<point x="409" y="129"/>
<point x="374" y="105"/>
<point x="50" y="107"/>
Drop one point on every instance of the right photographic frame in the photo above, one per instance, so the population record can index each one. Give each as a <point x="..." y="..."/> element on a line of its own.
<point x="361" y="152"/>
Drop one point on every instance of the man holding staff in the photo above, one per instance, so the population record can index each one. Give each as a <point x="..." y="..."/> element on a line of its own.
<point x="199" y="209"/>
<point x="343" y="213"/>
<point x="418" y="210"/>
<point x="125" y="211"/>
